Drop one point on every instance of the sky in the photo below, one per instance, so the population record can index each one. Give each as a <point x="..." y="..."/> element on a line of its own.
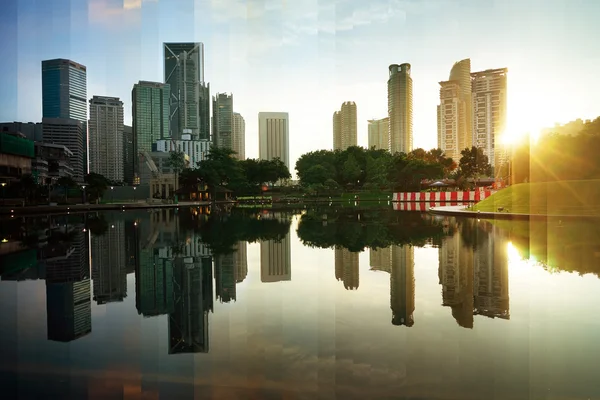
<point x="306" y="57"/>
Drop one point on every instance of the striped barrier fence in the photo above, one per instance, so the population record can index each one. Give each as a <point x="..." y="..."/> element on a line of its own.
<point x="470" y="196"/>
<point x="423" y="206"/>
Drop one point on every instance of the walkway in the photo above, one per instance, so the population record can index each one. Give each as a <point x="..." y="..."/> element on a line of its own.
<point x="460" y="211"/>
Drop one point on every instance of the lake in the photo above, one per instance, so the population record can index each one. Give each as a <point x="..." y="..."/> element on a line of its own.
<point x="330" y="302"/>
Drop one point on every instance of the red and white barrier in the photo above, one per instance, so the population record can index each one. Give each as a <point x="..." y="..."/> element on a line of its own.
<point x="471" y="196"/>
<point x="422" y="206"/>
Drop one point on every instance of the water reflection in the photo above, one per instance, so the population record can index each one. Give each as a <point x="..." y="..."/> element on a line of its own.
<point x="207" y="284"/>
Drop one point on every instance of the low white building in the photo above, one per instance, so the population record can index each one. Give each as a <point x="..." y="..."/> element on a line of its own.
<point x="196" y="150"/>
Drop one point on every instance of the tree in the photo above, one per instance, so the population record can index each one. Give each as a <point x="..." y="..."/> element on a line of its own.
<point x="96" y="185"/>
<point x="66" y="182"/>
<point x="474" y="163"/>
<point x="219" y="169"/>
<point x="351" y="172"/>
<point x="27" y="186"/>
<point x="177" y="162"/>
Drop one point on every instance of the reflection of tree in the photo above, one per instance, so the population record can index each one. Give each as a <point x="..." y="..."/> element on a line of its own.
<point x="357" y="230"/>
<point x="222" y="232"/>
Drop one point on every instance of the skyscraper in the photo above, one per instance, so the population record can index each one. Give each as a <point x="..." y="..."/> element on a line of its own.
<point x="274" y="136"/>
<point x="106" y="137"/>
<point x="400" y="108"/>
<point x="184" y="72"/>
<point x="344" y="126"/>
<point x="489" y="113"/>
<point x="129" y="156"/>
<point x="150" y="109"/>
<point x="455" y="111"/>
<point x="239" y="136"/>
<point x="379" y="133"/>
<point x="223" y="120"/>
<point x="64" y="97"/>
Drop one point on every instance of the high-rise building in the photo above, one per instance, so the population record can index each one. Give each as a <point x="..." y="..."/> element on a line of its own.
<point x="184" y="72"/>
<point x="109" y="267"/>
<point x="276" y="260"/>
<point x="274" y="136"/>
<point x="150" y="112"/>
<point x="346" y="267"/>
<point x="400" y="108"/>
<point x="489" y="113"/>
<point x="455" y="111"/>
<point x="128" y="155"/>
<point x="379" y="134"/>
<point x="239" y="136"/>
<point x="344" y="126"/>
<point x="31" y="130"/>
<point x="64" y="96"/>
<point x="223" y="120"/>
<point x="196" y="150"/>
<point x="106" y="137"/>
<point x="71" y="134"/>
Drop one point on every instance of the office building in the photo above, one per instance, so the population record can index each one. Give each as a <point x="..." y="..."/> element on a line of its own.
<point x="64" y="96"/>
<point x="344" y="126"/>
<point x="455" y="111"/>
<point x="106" y="137"/>
<point x="379" y="134"/>
<point x="223" y="120"/>
<point x="276" y="260"/>
<point x="128" y="155"/>
<point x="274" y="136"/>
<point x="189" y="99"/>
<point x="31" y="130"/>
<point x="239" y="136"/>
<point x="52" y="161"/>
<point x="400" y="108"/>
<point x="195" y="150"/>
<point x="489" y="113"/>
<point x="71" y="134"/>
<point x="150" y="112"/>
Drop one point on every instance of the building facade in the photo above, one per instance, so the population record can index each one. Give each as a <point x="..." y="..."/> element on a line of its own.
<point x="274" y="136"/>
<point x="52" y="161"/>
<point x="106" y="137"/>
<point x="128" y="155"/>
<point x="222" y="121"/>
<point x="400" y="108"/>
<point x="109" y="273"/>
<point x="379" y="134"/>
<point x="344" y="126"/>
<point x="71" y="134"/>
<point x="16" y="155"/>
<point x="276" y="260"/>
<point x="64" y="96"/>
<point x="455" y="112"/>
<point x="489" y="113"/>
<point x="31" y="130"/>
<point x="150" y="112"/>
<point x="196" y="150"/>
<point x="189" y="98"/>
<point x="239" y="136"/>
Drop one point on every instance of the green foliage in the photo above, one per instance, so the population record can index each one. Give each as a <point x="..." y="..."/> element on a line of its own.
<point x="176" y="161"/>
<point x="474" y="163"/>
<point x="96" y="185"/>
<point x="359" y="168"/>
<point x="27" y="186"/>
<point x="66" y="182"/>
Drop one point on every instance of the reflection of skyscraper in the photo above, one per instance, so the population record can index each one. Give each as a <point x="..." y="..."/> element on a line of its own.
<point x="154" y="285"/>
<point x="490" y="270"/>
<point x="346" y="267"/>
<point x="225" y="269"/>
<point x="188" y="323"/>
<point x="456" y="278"/>
<point x="402" y="285"/>
<point x="381" y="259"/>
<point x="276" y="260"/>
<point x="241" y="262"/>
<point x="109" y="272"/>
<point x="68" y="299"/>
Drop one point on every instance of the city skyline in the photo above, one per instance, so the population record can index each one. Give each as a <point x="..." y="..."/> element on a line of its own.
<point x="340" y="32"/>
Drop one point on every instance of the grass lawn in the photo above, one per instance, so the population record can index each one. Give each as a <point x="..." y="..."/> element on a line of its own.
<point x="549" y="198"/>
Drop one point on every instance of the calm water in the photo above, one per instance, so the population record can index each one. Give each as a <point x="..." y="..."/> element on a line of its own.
<point x="330" y="303"/>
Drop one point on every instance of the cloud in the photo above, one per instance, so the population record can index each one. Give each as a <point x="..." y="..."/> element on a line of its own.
<point x="105" y="12"/>
<point x="232" y="10"/>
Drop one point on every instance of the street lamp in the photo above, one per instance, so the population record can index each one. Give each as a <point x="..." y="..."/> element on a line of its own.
<point x="3" y="191"/>
<point x="135" y="187"/>
<point x="112" y="194"/>
<point x="83" y="187"/>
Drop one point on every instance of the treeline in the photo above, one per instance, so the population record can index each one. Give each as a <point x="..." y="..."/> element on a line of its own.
<point x="556" y="156"/>
<point x="370" y="169"/>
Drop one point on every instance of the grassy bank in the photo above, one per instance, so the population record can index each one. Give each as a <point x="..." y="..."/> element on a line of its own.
<point x="551" y="198"/>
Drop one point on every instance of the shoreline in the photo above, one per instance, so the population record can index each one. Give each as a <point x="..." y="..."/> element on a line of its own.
<point x="460" y="211"/>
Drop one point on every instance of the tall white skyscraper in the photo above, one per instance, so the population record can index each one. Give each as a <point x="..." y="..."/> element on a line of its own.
<point x="344" y="126"/>
<point x="274" y="136"/>
<point x="222" y="122"/>
<point x="489" y="113"/>
<point x="106" y="137"/>
<point x="379" y="133"/>
<point x="239" y="136"/>
<point x="400" y="108"/>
